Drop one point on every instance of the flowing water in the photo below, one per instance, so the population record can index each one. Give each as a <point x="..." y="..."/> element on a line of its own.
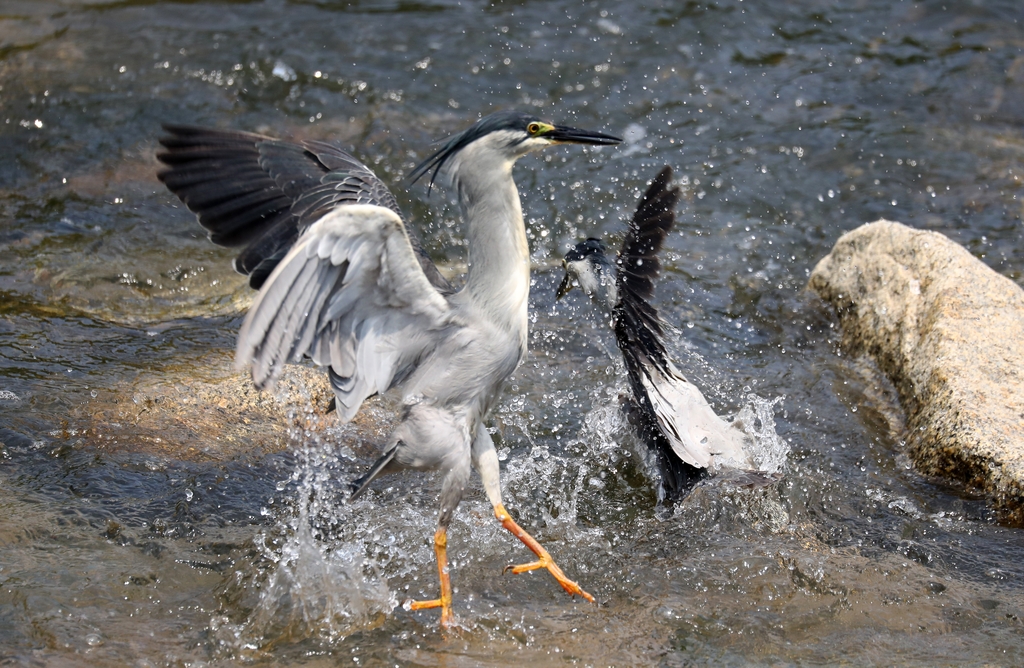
<point x="787" y="125"/>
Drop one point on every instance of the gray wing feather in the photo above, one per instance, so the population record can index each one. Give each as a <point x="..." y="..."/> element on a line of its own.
<point x="352" y="295"/>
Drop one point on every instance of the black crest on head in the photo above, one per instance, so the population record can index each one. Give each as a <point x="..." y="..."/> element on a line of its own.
<point x="501" y="120"/>
<point x="585" y="249"/>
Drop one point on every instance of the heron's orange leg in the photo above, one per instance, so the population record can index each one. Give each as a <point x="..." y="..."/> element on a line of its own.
<point x="544" y="559"/>
<point x="445" y="602"/>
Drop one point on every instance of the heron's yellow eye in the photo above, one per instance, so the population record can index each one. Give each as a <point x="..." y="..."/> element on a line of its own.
<point x="533" y="128"/>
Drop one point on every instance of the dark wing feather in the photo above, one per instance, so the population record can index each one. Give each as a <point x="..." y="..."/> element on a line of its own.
<point x="671" y="414"/>
<point x="261" y="194"/>
<point x="638" y="329"/>
<point x="677" y="476"/>
<point x="637" y="324"/>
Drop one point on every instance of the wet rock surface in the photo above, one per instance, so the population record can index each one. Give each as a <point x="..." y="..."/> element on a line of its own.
<point x="949" y="332"/>
<point x="220" y="416"/>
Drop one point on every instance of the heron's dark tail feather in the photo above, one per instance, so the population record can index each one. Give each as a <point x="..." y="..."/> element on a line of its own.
<point x="359" y="485"/>
<point x="677" y="477"/>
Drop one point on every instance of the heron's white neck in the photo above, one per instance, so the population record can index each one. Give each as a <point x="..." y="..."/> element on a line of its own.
<point x="499" y="257"/>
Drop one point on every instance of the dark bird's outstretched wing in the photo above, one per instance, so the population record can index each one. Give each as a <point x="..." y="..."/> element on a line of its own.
<point x="674" y="416"/>
<point x="637" y="267"/>
<point x="260" y="194"/>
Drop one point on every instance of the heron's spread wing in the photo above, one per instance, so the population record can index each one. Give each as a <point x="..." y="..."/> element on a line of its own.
<point x="351" y="295"/>
<point x="637" y="267"/>
<point x="261" y="194"/>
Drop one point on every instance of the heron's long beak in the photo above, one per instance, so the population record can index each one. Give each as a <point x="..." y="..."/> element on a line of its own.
<point x="564" y="287"/>
<point x="563" y="134"/>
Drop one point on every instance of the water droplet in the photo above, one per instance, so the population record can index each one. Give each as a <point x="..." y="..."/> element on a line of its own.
<point x="283" y="71"/>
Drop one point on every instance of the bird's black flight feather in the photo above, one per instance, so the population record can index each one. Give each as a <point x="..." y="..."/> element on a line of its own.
<point x="261" y="194"/>
<point x="638" y="328"/>
<point x="637" y="267"/>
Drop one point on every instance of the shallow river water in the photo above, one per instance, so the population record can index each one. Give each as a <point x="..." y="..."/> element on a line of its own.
<point x="787" y="125"/>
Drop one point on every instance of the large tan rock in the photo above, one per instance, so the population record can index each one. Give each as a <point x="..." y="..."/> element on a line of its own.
<point x="949" y="332"/>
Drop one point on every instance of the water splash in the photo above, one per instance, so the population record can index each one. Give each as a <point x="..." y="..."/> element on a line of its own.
<point x="317" y="590"/>
<point x="311" y="584"/>
<point x="554" y="503"/>
<point x="553" y="482"/>
<point x="768" y="451"/>
<point x="734" y="504"/>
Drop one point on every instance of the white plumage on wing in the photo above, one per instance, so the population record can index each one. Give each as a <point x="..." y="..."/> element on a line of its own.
<point x="353" y="291"/>
<point x="696" y="433"/>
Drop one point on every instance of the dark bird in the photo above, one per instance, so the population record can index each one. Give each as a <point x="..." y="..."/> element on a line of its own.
<point x="342" y="281"/>
<point x="671" y="415"/>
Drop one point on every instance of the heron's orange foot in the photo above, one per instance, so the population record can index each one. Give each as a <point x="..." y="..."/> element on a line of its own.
<point x="547" y="562"/>
<point x="447" y="618"/>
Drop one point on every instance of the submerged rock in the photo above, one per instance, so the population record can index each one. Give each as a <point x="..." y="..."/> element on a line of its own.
<point x="949" y="332"/>
<point x="220" y="415"/>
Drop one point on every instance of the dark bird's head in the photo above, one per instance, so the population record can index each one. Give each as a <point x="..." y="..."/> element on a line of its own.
<point x="498" y="140"/>
<point x="587" y="266"/>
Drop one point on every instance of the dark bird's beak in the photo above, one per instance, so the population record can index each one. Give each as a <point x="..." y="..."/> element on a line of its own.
<point x="563" y="134"/>
<point x="564" y="287"/>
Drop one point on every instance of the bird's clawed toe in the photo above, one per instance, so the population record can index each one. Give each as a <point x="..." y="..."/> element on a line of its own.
<point x="544" y="559"/>
<point x="447" y="616"/>
<point x="547" y="562"/>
